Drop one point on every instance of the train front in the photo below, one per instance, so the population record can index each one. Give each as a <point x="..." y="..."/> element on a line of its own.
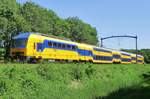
<point x="18" y="46"/>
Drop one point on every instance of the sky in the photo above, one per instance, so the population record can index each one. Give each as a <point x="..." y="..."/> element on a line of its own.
<point x="109" y="17"/>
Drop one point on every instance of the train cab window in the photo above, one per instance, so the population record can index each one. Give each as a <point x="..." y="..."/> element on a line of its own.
<point x="19" y="43"/>
<point x="50" y="44"/>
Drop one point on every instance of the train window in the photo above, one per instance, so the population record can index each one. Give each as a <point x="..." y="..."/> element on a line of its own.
<point x="63" y="46"/>
<point x="68" y="46"/>
<point x="55" y="44"/>
<point x="94" y="57"/>
<point x="39" y="47"/>
<point x="59" y="45"/>
<point x="50" y="44"/>
<point x="73" y="47"/>
<point x="97" y="57"/>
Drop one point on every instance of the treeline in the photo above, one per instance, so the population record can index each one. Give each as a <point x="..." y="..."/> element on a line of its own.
<point x="30" y="17"/>
<point x="144" y="52"/>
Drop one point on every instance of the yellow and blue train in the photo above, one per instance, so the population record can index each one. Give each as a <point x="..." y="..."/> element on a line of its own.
<point x="35" y="46"/>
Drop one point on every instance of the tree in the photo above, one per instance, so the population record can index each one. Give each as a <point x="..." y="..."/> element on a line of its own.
<point x="40" y="19"/>
<point x="10" y="23"/>
<point x="80" y="31"/>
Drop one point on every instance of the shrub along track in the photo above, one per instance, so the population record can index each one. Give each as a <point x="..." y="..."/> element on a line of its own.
<point x="68" y="81"/>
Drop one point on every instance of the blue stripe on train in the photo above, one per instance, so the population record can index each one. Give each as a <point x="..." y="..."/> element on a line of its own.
<point x="85" y="52"/>
<point x="42" y="46"/>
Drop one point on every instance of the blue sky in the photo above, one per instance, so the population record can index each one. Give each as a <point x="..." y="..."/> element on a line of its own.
<point x="110" y="17"/>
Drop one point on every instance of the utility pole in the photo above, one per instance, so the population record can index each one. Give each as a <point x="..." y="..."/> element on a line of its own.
<point x="101" y="42"/>
<point x="136" y="49"/>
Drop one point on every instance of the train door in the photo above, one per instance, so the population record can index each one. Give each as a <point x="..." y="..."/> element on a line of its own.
<point x="39" y="50"/>
<point x="34" y="49"/>
<point x="38" y="47"/>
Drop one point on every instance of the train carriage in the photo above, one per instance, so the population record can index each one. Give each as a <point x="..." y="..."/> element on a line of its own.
<point x="102" y="55"/>
<point x="125" y="58"/>
<point x="35" y="46"/>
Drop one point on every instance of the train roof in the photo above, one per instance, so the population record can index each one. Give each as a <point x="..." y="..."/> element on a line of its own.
<point x="140" y="56"/>
<point x="22" y="36"/>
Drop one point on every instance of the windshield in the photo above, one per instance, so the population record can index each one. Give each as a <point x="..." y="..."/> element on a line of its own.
<point x="19" y="43"/>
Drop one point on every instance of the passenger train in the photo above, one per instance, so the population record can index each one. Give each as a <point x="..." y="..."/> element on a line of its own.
<point x="35" y="47"/>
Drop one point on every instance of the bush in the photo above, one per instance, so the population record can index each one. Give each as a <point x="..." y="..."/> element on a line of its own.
<point x="3" y="88"/>
<point x="44" y="71"/>
<point x="89" y="70"/>
<point x="76" y="73"/>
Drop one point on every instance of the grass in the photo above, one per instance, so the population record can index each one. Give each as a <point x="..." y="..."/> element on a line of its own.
<point x="73" y="81"/>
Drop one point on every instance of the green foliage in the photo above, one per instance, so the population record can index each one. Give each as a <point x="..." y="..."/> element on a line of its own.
<point x="1" y="54"/>
<point x="89" y="71"/>
<point x="81" y="32"/>
<point x="146" y="53"/>
<point x="10" y="73"/>
<point x="29" y="84"/>
<point x="76" y="73"/>
<point x="75" y="81"/>
<point x="3" y="88"/>
<point x="44" y="71"/>
<point x="39" y="19"/>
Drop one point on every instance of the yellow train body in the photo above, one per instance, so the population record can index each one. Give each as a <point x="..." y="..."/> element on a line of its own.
<point x="125" y="58"/>
<point x="133" y="56"/>
<point x="140" y="59"/>
<point x="37" y="46"/>
<point x="87" y="54"/>
<point x="102" y="55"/>
<point x="116" y="56"/>
<point x="49" y="52"/>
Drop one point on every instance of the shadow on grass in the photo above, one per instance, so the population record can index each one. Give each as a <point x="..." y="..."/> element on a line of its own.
<point x="129" y="93"/>
<point x="138" y="92"/>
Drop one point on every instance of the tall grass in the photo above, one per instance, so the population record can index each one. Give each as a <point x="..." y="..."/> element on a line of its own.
<point x="66" y="81"/>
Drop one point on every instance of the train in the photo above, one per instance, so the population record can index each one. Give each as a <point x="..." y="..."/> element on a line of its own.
<point x="32" y="46"/>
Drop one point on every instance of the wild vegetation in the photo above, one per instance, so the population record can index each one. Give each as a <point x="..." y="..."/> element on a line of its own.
<point x="74" y="81"/>
<point x="29" y="17"/>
